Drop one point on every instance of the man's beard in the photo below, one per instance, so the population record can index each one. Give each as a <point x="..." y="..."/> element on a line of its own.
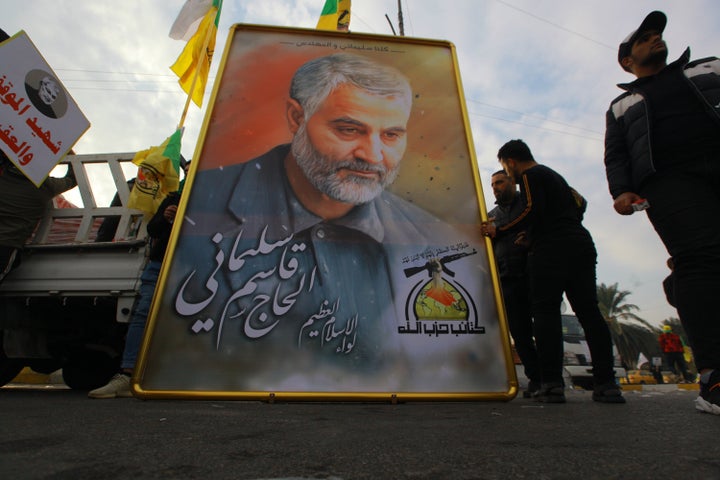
<point x="323" y="173"/>
<point x="658" y="57"/>
<point x="505" y="197"/>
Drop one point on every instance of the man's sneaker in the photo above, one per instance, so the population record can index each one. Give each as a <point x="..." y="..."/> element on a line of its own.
<point x="551" y="393"/>
<point x="709" y="399"/>
<point x="533" y="389"/>
<point x="117" y="387"/>
<point x="608" y="393"/>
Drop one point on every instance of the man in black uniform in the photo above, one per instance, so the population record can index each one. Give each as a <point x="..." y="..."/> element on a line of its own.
<point x="561" y="259"/>
<point x="511" y="258"/>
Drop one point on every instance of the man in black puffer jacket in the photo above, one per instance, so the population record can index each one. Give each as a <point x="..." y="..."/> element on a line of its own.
<point x="662" y="144"/>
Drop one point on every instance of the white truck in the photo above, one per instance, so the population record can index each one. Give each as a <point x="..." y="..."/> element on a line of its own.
<point x="67" y="305"/>
<point x="577" y="359"/>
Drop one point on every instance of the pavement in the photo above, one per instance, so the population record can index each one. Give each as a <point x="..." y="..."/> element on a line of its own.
<point x="55" y="433"/>
<point x="30" y="377"/>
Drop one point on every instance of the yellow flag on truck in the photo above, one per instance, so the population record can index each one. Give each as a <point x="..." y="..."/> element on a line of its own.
<point x="158" y="174"/>
<point x="335" y="16"/>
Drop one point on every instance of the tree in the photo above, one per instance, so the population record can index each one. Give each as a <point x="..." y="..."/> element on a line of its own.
<point x="639" y="339"/>
<point x="628" y="330"/>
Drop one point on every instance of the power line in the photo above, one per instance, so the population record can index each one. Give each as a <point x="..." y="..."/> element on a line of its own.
<point x="540" y="117"/>
<point x="114" y="73"/>
<point x="355" y="16"/>
<point x="152" y="90"/>
<point x="409" y="18"/>
<point x="97" y="80"/>
<point x="128" y="90"/>
<point x="538" y="127"/>
<point x="544" y="20"/>
<point x="141" y="90"/>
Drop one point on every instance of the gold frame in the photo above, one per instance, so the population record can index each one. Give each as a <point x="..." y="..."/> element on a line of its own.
<point x="458" y="138"/>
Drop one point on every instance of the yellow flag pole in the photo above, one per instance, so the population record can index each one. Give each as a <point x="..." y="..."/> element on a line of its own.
<point x="195" y="77"/>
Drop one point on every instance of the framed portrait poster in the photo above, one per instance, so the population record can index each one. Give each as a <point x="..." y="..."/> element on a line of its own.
<point x="328" y="240"/>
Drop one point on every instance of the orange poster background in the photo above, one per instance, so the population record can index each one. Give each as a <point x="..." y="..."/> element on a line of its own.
<point x="247" y="116"/>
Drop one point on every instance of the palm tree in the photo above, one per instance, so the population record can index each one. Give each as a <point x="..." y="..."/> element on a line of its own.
<point x="629" y="331"/>
<point x="639" y="339"/>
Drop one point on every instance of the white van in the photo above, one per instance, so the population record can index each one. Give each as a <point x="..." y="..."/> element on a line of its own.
<point x="577" y="361"/>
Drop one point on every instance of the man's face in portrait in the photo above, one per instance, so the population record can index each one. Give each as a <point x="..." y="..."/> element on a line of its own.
<point x="48" y="90"/>
<point x="350" y="149"/>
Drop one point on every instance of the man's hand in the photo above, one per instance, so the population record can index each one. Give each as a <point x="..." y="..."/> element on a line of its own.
<point x="623" y="203"/>
<point x="70" y="172"/>
<point x="488" y="228"/>
<point x="521" y="239"/>
<point x="169" y="213"/>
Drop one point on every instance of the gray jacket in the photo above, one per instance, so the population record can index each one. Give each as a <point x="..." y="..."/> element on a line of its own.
<point x="510" y="257"/>
<point x="22" y="204"/>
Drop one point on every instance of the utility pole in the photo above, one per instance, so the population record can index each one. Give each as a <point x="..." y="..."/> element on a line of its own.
<point x="400" y="19"/>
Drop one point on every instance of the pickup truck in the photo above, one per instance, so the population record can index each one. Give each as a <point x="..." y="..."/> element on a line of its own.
<point x="68" y="304"/>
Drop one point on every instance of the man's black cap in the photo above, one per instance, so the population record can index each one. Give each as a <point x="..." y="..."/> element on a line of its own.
<point x="654" y="21"/>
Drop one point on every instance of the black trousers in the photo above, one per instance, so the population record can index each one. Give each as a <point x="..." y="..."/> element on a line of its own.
<point x="516" y="295"/>
<point x="684" y="205"/>
<point x="677" y="365"/>
<point x="568" y="267"/>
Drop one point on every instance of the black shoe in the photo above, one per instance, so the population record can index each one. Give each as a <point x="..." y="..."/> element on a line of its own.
<point x="709" y="399"/>
<point x="551" y="393"/>
<point x="608" y="393"/>
<point x="532" y="390"/>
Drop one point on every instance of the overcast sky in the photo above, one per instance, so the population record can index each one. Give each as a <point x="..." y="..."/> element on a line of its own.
<point x="540" y="70"/>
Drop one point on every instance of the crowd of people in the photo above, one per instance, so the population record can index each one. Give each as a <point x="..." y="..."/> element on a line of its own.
<point x="661" y="155"/>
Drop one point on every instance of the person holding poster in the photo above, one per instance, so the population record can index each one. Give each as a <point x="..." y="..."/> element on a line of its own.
<point x="294" y="260"/>
<point x="561" y="259"/>
<point x="511" y="257"/>
<point x="22" y="204"/>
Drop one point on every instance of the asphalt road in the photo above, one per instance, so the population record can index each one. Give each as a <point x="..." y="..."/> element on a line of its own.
<point x="57" y="433"/>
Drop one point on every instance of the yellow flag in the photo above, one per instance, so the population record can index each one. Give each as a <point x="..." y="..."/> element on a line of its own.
<point x="335" y="16"/>
<point x="193" y="64"/>
<point x="158" y="174"/>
